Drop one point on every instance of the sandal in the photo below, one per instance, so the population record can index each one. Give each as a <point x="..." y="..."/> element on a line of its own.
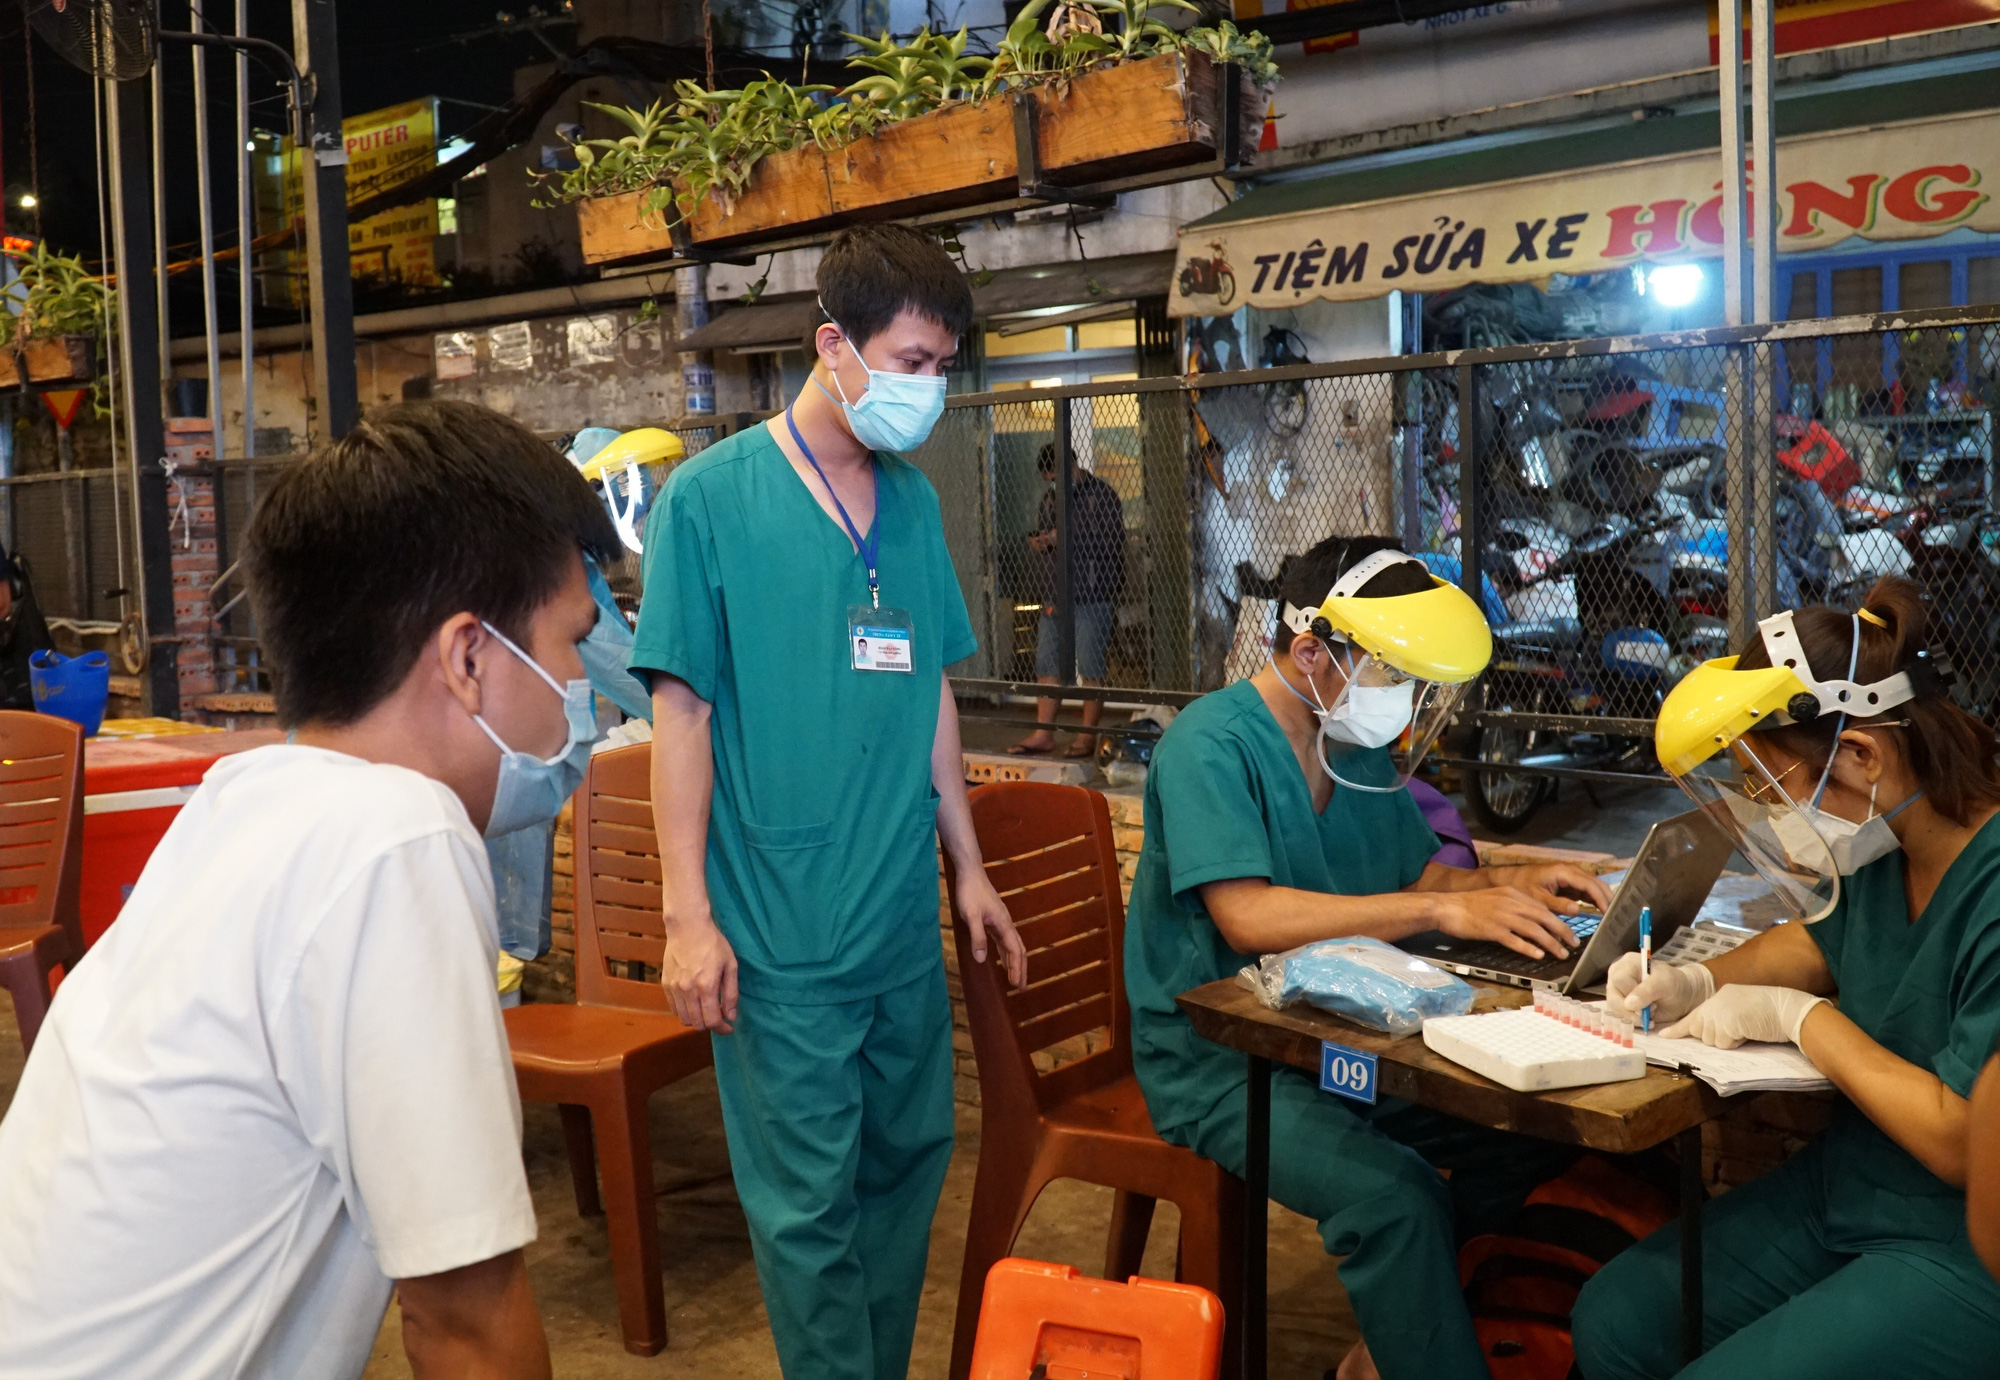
<point x="1078" y="750"/>
<point x="1023" y="750"/>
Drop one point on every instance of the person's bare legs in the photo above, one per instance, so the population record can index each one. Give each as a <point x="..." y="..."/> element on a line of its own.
<point x="1085" y="744"/>
<point x="1046" y="709"/>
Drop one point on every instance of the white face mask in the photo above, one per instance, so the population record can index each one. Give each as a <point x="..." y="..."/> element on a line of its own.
<point x="1852" y="846"/>
<point x="1364" y="716"/>
<point x="1371" y="716"/>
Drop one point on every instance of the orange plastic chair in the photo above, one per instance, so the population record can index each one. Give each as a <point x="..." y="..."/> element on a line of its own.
<point x="600" y="1059"/>
<point x="41" y="859"/>
<point x="1049" y="853"/>
<point x="1051" y="1321"/>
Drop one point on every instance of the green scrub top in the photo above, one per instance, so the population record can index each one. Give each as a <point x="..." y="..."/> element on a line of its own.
<point x="822" y="851"/>
<point x="1928" y="992"/>
<point x="1225" y="798"/>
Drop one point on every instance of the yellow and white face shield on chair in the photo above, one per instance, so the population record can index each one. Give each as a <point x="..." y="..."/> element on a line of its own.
<point x="1765" y="801"/>
<point x="1407" y="660"/>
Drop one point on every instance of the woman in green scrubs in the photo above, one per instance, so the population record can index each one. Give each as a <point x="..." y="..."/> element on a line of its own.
<point x="1267" y="828"/>
<point x="1852" y="1259"/>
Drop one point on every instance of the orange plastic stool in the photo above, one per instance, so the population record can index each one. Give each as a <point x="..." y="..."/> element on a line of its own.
<point x="1051" y="1321"/>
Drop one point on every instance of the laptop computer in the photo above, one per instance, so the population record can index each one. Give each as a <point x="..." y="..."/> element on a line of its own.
<point x="1675" y="868"/>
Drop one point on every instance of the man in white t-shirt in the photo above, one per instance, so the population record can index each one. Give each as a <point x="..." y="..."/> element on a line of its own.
<point x="280" y="1085"/>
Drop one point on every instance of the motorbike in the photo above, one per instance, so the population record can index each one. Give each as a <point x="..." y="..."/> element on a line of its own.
<point x="1603" y="629"/>
<point x="1209" y="277"/>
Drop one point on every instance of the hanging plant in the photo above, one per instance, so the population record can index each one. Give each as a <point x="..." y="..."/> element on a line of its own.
<point x="55" y="295"/>
<point x="703" y="144"/>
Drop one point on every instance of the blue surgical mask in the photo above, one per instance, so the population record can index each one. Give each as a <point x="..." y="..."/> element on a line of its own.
<point x="531" y="790"/>
<point x="896" y="411"/>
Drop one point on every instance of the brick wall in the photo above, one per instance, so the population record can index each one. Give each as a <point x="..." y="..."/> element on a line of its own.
<point x="196" y="563"/>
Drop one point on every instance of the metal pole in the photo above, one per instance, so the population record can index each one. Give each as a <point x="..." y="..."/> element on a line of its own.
<point x="1471" y="463"/>
<point x="164" y="326"/>
<point x="1763" y="293"/>
<point x="206" y="194"/>
<point x="132" y="214"/>
<point x="1729" y="32"/>
<point x="1736" y="309"/>
<point x="690" y="315"/>
<point x="1065" y="548"/>
<point x="246" y="231"/>
<point x="1256" y="1218"/>
<point x="1763" y="168"/>
<point x="316" y="42"/>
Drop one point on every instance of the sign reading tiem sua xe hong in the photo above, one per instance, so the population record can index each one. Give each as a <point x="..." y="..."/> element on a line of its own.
<point x="1889" y="182"/>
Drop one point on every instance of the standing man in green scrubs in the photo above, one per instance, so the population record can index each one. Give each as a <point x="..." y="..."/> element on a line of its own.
<point x="1851" y="1260"/>
<point x="1276" y="816"/>
<point x="799" y="611"/>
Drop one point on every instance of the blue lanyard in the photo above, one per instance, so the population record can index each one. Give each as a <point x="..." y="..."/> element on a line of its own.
<point x="871" y="545"/>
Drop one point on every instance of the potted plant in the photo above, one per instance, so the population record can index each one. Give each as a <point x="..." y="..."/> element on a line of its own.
<point x="927" y="126"/>
<point x="60" y="311"/>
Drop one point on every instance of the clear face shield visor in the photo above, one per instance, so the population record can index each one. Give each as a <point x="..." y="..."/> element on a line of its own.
<point x="1383" y="722"/>
<point x="1747" y="796"/>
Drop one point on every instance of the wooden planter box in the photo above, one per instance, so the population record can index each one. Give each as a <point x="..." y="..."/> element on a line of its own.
<point x="59" y="359"/>
<point x="10" y="368"/>
<point x="1122" y="121"/>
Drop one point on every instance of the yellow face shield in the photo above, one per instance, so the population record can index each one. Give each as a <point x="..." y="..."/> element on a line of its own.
<point x="1406" y="661"/>
<point x="649" y="445"/>
<point x="1752" y="791"/>
<point x="622" y="471"/>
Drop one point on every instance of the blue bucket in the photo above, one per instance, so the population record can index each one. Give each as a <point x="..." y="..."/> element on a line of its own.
<point x="71" y="687"/>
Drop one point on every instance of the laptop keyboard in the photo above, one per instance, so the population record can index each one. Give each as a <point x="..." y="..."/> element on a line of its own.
<point x="1500" y="958"/>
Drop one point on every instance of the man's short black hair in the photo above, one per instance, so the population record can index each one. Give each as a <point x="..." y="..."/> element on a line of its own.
<point x="871" y="274"/>
<point x="426" y="509"/>
<point x="1045" y="458"/>
<point x="1304" y="580"/>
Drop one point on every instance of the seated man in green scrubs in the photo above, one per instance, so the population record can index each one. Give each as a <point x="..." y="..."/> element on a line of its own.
<point x="799" y="611"/>
<point x="1275" y="816"/>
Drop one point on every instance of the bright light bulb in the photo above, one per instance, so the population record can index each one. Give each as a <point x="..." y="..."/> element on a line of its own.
<point x="1675" y="285"/>
<point x="250" y="147"/>
<point x="28" y="202"/>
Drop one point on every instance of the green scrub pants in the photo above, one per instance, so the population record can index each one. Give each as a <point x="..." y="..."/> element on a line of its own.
<point x="840" y="1129"/>
<point x="1369" y="1177"/>
<point x="1780" y="1301"/>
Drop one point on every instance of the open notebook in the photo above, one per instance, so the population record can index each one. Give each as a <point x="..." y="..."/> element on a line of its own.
<point x="1747" y="1068"/>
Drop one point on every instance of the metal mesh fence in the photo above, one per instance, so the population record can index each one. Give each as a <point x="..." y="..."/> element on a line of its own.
<point x="67" y="529"/>
<point x="1631" y="508"/>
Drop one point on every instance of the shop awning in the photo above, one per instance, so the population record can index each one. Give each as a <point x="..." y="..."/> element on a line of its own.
<point x="783" y="325"/>
<point x="1897" y="162"/>
<point x="1075" y="284"/>
<point x="771" y="325"/>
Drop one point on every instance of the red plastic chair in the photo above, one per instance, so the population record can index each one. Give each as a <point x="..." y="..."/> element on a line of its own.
<point x="600" y="1059"/>
<point x="1051" y="1321"/>
<point x="41" y="859"/>
<point x="1049" y="853"/>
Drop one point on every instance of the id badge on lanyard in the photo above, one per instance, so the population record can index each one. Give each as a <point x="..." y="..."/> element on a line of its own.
<point x="879" y="639"/>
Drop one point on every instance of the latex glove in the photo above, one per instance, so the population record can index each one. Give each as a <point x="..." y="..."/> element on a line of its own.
<point x="1672" y="989"/>
<point x="1738" y="1013"/>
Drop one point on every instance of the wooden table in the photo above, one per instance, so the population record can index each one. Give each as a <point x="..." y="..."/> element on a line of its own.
<point x="1616" y="1117"/>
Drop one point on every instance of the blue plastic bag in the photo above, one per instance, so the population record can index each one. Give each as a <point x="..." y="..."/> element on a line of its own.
<point x="71" y="687"/>
<point x="1361" y="980"/>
